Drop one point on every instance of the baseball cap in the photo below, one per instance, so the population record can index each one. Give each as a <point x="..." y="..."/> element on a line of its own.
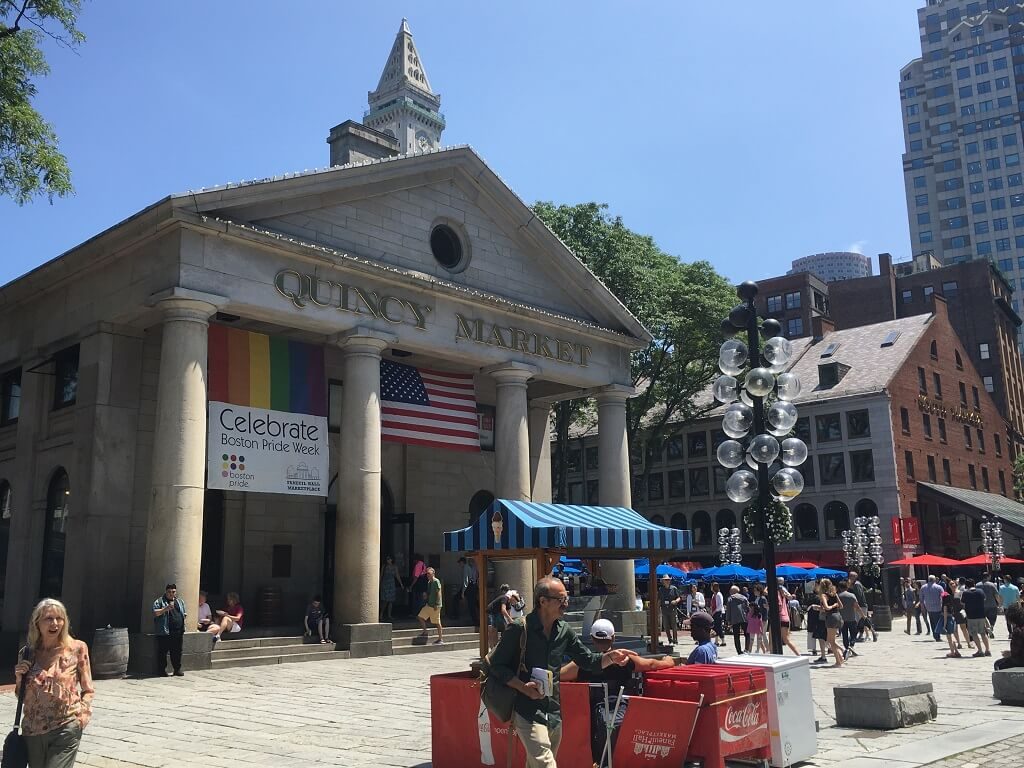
<point x="602" y="629"/>
<point x="701" y="619"/>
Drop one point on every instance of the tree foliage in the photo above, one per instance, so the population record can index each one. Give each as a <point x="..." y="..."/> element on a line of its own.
<point x="31" y="163"/>
<point x="682" y="305"/>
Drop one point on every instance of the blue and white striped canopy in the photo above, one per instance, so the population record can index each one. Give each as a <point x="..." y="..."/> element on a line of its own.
<point x="509" y="524"/>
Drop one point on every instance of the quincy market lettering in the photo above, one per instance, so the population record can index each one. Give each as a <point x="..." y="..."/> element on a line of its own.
<point x="959" y="413"/>
<point x="509" y="337"/>
<point x="301" y="288"/>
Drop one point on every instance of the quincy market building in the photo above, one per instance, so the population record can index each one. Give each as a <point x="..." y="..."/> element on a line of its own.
<point x="275" y="383"/>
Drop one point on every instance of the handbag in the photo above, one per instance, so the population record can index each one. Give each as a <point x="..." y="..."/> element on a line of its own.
<point x="15" y="749"/>
<point x="495" y="695"/>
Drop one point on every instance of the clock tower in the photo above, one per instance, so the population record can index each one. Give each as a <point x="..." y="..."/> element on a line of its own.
<point x="404" y="106"/>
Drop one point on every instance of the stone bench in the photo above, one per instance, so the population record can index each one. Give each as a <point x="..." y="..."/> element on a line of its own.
<point x="1008" y="686"/>
<point x="884" y="705"/>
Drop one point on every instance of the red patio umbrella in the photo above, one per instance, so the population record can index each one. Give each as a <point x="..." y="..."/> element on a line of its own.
<point x="986" y="560"/>
<point x="925" y="560"/>
<point x="805" y="565"/>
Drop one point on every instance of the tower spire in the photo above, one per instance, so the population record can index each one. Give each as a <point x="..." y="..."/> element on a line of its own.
<point x="404" y="105"/>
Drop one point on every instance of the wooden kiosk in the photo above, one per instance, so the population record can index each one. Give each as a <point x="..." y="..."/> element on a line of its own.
<point x="527" y="530"/>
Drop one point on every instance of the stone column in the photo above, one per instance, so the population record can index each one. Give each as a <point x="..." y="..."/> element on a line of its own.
<point x="613" y="486"/>
<point x="540" y="450"/>
<point x="512" y="461"/>
<point x="174" y="529"/>
<point x="357" y="536"/>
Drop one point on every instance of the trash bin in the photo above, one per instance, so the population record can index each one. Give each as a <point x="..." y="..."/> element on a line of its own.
<point x="790" y="705"/>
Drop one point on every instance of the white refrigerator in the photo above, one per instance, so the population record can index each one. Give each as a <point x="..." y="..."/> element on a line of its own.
<point x="790" y="705"/>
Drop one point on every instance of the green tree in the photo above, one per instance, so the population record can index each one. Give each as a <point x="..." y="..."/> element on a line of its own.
<point x="682" y="304"/>
<point x="30" y="160"/>
<point x="1018" y="476"/>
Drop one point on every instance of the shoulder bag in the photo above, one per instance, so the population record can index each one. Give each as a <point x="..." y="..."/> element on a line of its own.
<point x="15" y="750"/>
<point x="497" y="696"/>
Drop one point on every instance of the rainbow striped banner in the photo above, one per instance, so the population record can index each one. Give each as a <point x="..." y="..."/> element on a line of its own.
<point x="270" y="372"/>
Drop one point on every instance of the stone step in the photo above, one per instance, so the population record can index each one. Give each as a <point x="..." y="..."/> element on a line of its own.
<point x="261" y="642"/>
<point x="396" y="633"/>
<point x="260" y="661"/>
<point x="271" y="650"/>
<point x="454" y="637"/>
<point x="404" y="650"/>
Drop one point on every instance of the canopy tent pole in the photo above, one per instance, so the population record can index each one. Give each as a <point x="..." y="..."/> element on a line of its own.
<point x="653" y="619"/>
<point x="481" y="599"/>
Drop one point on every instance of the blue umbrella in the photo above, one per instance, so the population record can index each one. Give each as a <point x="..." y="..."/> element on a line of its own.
<point x="789" y="573"/>
<point x="826" y="573"/>
<point x="570" y="569"/>
<point x="643" y="568"/>
<point x="726" y="573"/>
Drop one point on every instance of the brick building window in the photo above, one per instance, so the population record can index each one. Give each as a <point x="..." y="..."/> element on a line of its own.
<point x="968" y="440"/>
<point x="908" y="461"/>
<point x="981" y="441"/>
<point x="988" y="384"/>
<point x="999" y="444"/>
<point x="907" y="297"/>
<point x="984" y="479"/>
<point x="931" y="469"/>
<point x="942" y="430"/>
<point x="983" y="351"/>
<point x="972" y="476"/>
<point x="937" y="383"/>
<point x="793" y="300"/>
<point x="926" y="426"/>
<point x="905" y="421"/>
<point x="1002" y="483"/>
<point x="933" y="350"/>
<point x="977" y="401"/>
<point x="922" y="381"/>
<point x="963" y="394"/>
<point x="959" y="360"/>
<point x="774" y="304"/>
<point x="794" y="327"/>
<point x="947" y="476"/>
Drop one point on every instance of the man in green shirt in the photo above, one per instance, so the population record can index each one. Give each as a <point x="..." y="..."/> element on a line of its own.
<point x="538" y="718"/>
<point x="432" y="610"/>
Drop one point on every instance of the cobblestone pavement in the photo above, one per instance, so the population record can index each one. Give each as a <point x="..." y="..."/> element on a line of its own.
<point x="376" y="712"/>
<point x="1003" y="754"/>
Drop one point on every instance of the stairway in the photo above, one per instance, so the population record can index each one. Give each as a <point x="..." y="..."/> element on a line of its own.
<point x="259" y="651"/>
<point x="455" y="639"/>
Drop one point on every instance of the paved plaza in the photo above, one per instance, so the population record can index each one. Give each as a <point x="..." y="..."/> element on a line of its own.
<point x="376" y="712"/>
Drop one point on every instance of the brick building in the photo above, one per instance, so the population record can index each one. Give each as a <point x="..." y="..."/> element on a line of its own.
<point x="981" y="309"/>
<point x="798" y="301"/>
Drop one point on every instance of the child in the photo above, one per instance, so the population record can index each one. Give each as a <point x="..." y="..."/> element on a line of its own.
<point x="317" y="620"/>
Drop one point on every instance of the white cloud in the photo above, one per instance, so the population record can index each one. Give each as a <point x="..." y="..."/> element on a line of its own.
<point x="857" y="246"/>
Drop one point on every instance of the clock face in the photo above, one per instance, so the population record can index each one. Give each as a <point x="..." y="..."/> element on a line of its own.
<point x="423" y="141"/>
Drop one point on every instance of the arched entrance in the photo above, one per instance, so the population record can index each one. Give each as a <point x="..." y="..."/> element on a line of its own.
<point x="58" y="498"/>
<point x="481" y="500"/>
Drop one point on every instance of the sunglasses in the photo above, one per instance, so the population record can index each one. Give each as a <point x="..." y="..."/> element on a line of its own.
<point x="564" y="599"/>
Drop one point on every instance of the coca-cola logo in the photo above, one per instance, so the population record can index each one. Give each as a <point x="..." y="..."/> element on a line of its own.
<point x="741" y="722"/>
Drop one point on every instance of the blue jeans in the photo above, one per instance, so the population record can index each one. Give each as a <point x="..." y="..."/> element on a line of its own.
<point x="935" y="617"/>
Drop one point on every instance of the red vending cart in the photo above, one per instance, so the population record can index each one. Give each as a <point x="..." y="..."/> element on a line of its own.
<point x="733" y="719"/>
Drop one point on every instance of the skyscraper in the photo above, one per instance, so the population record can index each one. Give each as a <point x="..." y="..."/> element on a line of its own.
<point x="960" y="103"/>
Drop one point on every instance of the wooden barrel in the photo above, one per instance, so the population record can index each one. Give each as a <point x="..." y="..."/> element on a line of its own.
<point x="881" y="617"/>
<point x="109" y="653"/>
<point x="268" y="610"/>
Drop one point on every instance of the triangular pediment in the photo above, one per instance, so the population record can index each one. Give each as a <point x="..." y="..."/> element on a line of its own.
<point x="385" y="212"/>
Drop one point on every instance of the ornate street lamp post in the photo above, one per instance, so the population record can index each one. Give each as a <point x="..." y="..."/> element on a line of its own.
<point x="862" y="547"/>
<point x="992" y="542"/>
<point x="760" y="414"/>
<point x="729" y="546"/>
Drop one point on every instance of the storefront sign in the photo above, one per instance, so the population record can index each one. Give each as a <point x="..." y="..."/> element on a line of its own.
<point x="253" y="449"/>
<point x="950" y="534"/>
<point x="897" y="531"/>
<point x="304" y="289"/>
<point x="911" y="531"/>
<point x="520" y="340"/>
<point x="958" y="413"/>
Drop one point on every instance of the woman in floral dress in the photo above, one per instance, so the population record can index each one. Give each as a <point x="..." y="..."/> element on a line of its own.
<point x="389" y="578"/>
<point x="58" y="688"/>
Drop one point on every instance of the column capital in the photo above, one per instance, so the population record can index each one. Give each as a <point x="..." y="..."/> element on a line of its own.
<point x="179" y="303"/>
<point x="363" y="341"/>
<point x="510" y="373"/>
<point x="614" y="393"/>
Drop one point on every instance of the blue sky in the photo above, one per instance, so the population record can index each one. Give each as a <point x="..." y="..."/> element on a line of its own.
<point x="747" y="134"/>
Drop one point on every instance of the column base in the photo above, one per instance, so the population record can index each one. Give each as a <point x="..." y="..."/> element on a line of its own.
<point x="363" y="640"/>
<point x="196" y="653"/>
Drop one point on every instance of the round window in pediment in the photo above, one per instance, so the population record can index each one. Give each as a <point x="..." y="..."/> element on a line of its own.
<point x="446" y="245"/>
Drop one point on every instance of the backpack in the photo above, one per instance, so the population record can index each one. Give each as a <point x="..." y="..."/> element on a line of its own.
<point x="497" y="696"/>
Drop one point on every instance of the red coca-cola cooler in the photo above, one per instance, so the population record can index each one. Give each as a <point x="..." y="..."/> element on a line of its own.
<point x="733" y="720"/>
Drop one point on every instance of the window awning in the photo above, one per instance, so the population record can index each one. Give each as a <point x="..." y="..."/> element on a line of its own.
<point x="977" y="504"/>
<point x="510" y="524"/>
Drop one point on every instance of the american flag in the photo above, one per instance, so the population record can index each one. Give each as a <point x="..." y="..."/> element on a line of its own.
<point x="432" y="408"/>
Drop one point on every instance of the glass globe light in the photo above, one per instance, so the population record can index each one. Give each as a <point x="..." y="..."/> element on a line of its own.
<point x="737" y="420"/>
<point x="746" y="399"/>
<point x="771" y="328"/>
<point x="759" y="382"/>
<point x="741" y="486"/>
<point x="751" y="462"/>
<point x="723" y="532"/>
<point x="732" y="357"/>
<point x="788" y="386"/>
<point x="739" y="316"/>
<point x="725" y="389"/>
<point x="788" y="483"/>
<point x="782" y="415"/>
<point x="730" y="454"/>
<point x="777" y="351"/>
<point x="794" y="452"/>
<point x="778" y="432"/>
<point x="764" y="449"/>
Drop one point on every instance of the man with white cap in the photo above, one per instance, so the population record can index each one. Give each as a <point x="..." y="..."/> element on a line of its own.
<point x="618" y="679"/>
